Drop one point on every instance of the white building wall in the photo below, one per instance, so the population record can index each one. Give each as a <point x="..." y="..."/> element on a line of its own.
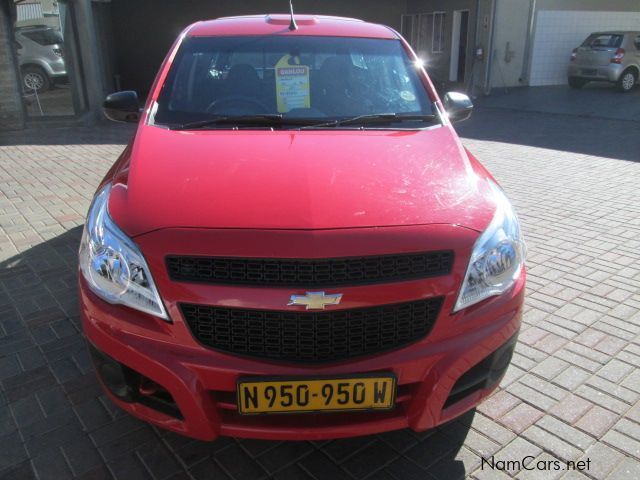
<point x="557" y="33"/>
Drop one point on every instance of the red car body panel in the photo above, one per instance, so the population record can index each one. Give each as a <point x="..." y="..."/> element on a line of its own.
<point x="298" y="194"/>
<point x="298" y="180"/>
<point x="277" y="24"/>
<point x="203" y="382"/>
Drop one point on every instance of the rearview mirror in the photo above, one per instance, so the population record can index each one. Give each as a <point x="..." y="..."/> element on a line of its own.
<point x="458" y="106"/>
<point x="122" y="106"/>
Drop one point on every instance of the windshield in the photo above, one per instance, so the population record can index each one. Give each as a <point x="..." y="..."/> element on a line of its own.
<point x="301" y="77"/>
<point x="44" y="37"/>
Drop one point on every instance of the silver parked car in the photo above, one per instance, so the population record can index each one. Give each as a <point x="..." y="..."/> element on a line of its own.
<point x="40" y="53"/>
<point x="607" y="57"/>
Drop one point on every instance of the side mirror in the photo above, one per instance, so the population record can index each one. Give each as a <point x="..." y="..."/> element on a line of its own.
<point x="458" y="106"/>
<point x="122" y="106"/>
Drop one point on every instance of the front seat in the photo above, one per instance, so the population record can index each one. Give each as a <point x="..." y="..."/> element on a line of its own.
<point x="331" y="93"/>
<point x="243" y="80"/>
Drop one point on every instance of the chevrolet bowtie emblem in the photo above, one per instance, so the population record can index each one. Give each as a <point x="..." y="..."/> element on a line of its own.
<point x="315" y="300"/>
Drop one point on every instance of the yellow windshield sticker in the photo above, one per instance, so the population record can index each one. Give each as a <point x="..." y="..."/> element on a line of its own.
<point x="292" y="84"/>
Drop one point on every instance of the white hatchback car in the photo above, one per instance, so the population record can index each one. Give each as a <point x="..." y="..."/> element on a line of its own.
<point x="607" y="57"/>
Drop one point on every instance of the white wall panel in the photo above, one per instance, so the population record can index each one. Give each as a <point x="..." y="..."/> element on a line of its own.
<point x="557" y="33"/>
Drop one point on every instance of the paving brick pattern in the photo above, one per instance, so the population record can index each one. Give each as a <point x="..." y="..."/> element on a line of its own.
<point x="572" y="392"/>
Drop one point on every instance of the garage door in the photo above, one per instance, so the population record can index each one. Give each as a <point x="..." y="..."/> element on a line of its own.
<point x="557" y="33"/>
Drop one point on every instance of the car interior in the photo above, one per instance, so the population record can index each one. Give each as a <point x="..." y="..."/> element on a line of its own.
<point x="337" y="85"/>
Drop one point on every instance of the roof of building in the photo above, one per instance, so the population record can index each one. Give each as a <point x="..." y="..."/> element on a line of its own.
<point x="279" y="24"/>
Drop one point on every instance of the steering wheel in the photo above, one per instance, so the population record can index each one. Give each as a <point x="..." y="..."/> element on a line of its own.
<point x="235" y="100"/>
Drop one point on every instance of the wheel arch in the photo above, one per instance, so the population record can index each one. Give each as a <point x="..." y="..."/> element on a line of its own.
<point x="34" y="64"/>
<point x="634" y="67"/>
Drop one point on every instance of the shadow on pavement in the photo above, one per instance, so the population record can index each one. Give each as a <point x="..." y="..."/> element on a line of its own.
<point x="595" y="100"/>
<point x="43" y="357"/>
<point x="615" y="139"/>
<point x="105" y="133"/>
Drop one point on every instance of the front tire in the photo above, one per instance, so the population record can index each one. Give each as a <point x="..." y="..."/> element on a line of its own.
<point x="627" y="80"/>
<point x="35" y="78"/>
<point x="577" y="83"/>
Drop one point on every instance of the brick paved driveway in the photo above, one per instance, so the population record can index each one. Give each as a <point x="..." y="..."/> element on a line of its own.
<point x="572" y="392"/>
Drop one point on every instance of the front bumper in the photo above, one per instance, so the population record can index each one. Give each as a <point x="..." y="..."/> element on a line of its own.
<point x="437" y="380"/>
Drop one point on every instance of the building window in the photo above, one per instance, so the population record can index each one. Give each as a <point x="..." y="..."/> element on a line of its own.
<point x="424" y="31"/>
<point x="409" y="28"/>
<point x="438" y="32"/>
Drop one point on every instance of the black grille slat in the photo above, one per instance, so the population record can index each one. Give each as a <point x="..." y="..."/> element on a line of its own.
<point x="300" y="336"/>
<point x="325" y="272"/>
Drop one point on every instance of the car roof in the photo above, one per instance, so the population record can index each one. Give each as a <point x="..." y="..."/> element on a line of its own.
<point x="321" y="25"/>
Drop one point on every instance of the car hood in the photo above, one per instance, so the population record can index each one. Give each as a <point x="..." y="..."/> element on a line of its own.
<point x="263" y="179"/>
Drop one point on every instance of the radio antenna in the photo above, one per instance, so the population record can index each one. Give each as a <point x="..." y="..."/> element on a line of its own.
<point x="292" y="25"/>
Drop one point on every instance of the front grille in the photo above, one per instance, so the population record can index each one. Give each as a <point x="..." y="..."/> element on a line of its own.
<point x="326" y="272"/>
<point x="312" y="337"/>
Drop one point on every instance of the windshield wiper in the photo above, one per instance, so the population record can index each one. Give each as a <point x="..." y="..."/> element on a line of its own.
<point x="270" y="118"/>
<point x="373" y="118"/>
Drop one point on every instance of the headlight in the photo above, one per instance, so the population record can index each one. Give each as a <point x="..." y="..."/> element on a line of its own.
<point x="497" y="258"/>
<point x="112" y="264"/>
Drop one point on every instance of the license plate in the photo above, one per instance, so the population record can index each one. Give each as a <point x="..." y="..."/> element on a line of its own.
<point x="374" y="392"/>
<point x="589" y="71"/>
